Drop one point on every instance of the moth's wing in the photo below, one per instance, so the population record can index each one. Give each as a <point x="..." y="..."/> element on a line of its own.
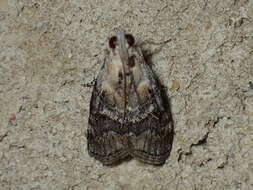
<point x="152" y="136"/>
<point x="103" y="135"/>
<point x="152" y="145"/>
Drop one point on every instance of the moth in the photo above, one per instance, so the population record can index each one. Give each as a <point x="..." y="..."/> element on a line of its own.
<point x="127" y="114"/>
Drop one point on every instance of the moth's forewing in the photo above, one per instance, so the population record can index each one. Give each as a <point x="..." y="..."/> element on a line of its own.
<point x="150" y="131"/>
<point x="103" y="136"/>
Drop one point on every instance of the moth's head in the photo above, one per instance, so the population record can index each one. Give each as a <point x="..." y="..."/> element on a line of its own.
<point x="114" y="42"/>
<point x="122" y="46"/>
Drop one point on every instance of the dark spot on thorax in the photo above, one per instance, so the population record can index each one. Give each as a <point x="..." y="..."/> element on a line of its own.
<point x="131" y="62"/>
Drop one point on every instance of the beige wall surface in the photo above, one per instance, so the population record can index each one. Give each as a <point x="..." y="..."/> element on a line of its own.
<point x="201" y="51"/>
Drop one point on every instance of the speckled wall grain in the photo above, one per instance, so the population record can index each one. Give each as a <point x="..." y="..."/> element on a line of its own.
<point x="202" y="52"/>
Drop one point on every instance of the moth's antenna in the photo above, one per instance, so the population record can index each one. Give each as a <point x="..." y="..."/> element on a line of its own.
<point x="121" y="39"/>
<point x="123" y="53"/>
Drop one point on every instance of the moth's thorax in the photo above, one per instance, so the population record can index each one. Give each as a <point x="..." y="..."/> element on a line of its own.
<point x="124" y="86"/>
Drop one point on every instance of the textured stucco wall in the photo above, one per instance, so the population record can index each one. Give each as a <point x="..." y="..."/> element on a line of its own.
<point x="202" y="52"/>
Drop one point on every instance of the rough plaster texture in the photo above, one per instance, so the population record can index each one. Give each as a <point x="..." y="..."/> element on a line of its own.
<point x="202" y="52"/>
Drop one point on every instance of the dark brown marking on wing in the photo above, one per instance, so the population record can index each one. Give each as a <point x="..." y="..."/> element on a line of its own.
<point x="120" y="78"/>
<point x="130" y="39"/>
<point x="131" y="62"/>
